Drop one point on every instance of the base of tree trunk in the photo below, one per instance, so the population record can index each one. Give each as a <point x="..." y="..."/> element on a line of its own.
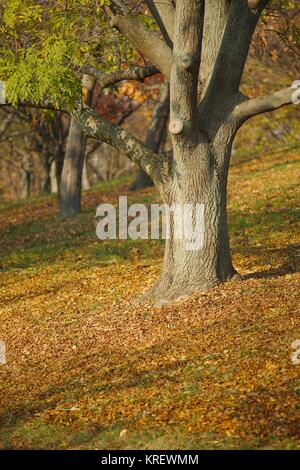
<point x="69" y="209"/>
<point x="162" y="294"/>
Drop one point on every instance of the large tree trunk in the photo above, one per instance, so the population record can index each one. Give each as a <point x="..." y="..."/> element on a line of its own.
<point x="71" y="177"/>
<point x="200" y="178"/>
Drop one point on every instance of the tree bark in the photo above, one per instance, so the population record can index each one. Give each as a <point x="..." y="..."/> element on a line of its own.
<point x="71" y="177"/>
<point x="200" y="178"/>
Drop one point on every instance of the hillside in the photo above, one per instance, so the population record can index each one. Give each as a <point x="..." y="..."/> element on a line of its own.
<point x="88" y="369"/>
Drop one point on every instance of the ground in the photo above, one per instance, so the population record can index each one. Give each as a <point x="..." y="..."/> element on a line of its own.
<point x="86" y="368"/>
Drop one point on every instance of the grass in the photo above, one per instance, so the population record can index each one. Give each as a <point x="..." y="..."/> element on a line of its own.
<point x="88" y="369"/>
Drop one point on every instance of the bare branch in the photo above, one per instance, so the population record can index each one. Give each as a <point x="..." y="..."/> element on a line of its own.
<point x="215" y="18"/>
<point x="97" y="127"/>
<point x="159" y="118"/>
<point x="41" y="105"/>
<point x="263" y="104"/>
<point x="148" y="43"/>
<point x="135" y="73"/>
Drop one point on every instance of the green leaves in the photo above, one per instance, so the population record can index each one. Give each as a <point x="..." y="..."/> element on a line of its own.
<point x="44" y="43"/>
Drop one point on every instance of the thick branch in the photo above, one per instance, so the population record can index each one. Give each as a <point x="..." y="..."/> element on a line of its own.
<point x="135" y="73"/>
<point x="215" y="18"/>
<point x="159" y="118"/>
<point x="97" y="127"/>
<point x="147" y="43"/>
<point x="186" y="60"/>
<point x="242" y="19"/>
<point x="263" y="104"/>
<point x="166" y="11"/>
<point x="41" y="105"/>
<point x="160" y="23"/>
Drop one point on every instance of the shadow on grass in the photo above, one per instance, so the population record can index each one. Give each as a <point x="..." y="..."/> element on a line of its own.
<point x="23" y="424"/>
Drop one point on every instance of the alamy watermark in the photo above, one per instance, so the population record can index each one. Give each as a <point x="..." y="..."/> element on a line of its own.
<point x="295" y="356"/>
<point x="2" y="353"/>
<point x="184" y="221"/>
<point x="2" y="93"/>
<point x="296" y="94"/>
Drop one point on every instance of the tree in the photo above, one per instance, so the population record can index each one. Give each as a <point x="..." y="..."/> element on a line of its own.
<point x="41" y="134"/>
<point x="201" y="50"/>
<point x="211" y="41"/>
<point x="71" y="178"/>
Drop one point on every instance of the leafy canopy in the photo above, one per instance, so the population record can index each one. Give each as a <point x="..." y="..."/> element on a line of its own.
<point x="43" y="44"/>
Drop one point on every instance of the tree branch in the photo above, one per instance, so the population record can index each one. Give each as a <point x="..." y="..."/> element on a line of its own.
<point x="148" y="43"/>
<point x="135" y="73"/>
<point x="186" y="60"/>
<point x="156" y="15"/>
<point x="241" y="22"/>
<point x="97" y="127"/>
<point x="42" y="105"/>
<point x="166" y="10"/>
<point x="215" y="18"/>
<point x="263" y="104"/>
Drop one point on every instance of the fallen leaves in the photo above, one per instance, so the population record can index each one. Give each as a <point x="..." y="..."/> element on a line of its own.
<point x="88" y="369"/>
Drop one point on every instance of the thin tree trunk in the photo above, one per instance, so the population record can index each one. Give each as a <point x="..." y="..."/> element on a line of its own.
<point x="156" y="134"/>
<point x="85" y="177"/>
<point x="71" y="178"/>
<point x="46" y="181"/>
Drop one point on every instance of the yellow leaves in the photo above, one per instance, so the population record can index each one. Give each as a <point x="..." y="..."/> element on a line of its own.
<point x="133" y="90"/>
<point x="270" y="366"/>
<point x="274" y="55"/>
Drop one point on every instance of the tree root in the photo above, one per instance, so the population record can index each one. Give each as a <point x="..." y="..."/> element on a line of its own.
<point x="163" y="293"/>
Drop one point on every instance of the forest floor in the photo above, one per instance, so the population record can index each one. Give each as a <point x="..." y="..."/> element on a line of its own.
<point x="85" y="368"/>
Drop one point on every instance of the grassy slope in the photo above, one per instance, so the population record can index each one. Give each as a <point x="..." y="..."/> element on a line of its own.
<point x="87" y="369"/>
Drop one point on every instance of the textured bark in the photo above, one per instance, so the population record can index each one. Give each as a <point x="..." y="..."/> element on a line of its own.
<point x="134" y="73"/>
<point x="198" y="176"/>
<point x="215" y="18"/>
<point x="71" y="178"/>
<point x="148" y="43"/>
